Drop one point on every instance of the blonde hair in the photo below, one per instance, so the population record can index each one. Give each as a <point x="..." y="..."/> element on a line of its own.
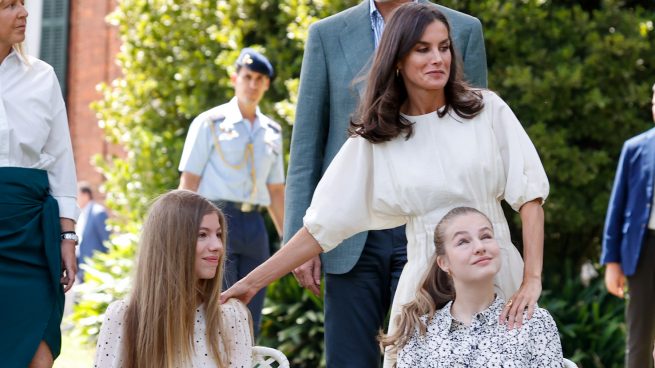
<point x="159" y="321"/>
<point x="435" y="291"/>
<point x="20" y="50"/>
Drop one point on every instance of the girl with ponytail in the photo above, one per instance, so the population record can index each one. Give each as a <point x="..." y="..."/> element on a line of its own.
<point x="454" y="319"/>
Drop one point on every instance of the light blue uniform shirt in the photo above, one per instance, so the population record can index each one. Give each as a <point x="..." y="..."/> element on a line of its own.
<point x="219" y="179"/>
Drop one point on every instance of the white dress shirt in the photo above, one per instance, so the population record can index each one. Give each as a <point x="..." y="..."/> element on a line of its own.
<point x="34" y="127"/>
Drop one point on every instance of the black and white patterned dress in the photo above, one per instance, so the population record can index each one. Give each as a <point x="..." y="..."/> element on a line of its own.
<point x="485" y="343"/>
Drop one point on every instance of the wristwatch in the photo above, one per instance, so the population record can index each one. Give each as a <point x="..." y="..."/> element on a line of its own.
<point x="70" y="235"/>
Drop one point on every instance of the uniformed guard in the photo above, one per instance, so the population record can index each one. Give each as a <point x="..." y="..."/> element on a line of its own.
<point x="233" y="156"/>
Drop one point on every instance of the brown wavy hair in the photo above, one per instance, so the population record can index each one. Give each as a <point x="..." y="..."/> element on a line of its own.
<point x="159" y="320"/>
<point x="378" y="118"/>
<point x="435" y="291"/>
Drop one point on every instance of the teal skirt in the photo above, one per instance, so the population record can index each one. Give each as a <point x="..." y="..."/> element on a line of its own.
<point x="30" y="266"/>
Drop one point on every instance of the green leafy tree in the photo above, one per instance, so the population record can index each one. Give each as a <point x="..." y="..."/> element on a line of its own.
<point x="579" y="81"/>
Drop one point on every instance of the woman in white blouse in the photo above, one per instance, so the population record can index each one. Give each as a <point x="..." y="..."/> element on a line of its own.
<point x="424" y="142"/>
<point x="454" y="319"/>
<point x="173" y="317"/>
<point x="37" y="201"/>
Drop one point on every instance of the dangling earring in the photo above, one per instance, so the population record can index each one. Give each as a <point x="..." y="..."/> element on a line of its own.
<point x="397" y="72"/>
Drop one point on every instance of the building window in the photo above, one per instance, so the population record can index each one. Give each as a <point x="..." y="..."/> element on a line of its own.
<point x="54" y="38"/>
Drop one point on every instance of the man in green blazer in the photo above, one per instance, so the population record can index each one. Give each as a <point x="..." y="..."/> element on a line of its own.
<point x="362" y="273"/>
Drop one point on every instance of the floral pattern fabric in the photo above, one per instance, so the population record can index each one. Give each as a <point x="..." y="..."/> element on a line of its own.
<point x="485" y="343"/>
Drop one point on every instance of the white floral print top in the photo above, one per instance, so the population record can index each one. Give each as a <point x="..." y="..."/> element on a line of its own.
<point x="485" y="343"/>
<point x="236" y="322"/>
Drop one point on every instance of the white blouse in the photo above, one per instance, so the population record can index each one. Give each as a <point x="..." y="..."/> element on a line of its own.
<point x="449" y="343"/>
<point x="34" y="127"/>
<point x="447" y="162"/>
<point x="236" y="322"/>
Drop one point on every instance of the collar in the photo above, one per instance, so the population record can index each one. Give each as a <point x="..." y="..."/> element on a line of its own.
<point x="233" y="115"/>
<point x="489" y="316"/>
<point x="15" y="60"/>
<point x="10" y="57"/>
<point x="373" y="9"/>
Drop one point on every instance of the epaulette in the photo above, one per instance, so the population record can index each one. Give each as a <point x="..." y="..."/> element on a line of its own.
<point x="216" y="117"/>
<point x="273" y="125"/>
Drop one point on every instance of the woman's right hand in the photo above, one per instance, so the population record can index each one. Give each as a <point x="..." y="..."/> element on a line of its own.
<point x="242" y="291"/>
<point x="301" y="248"/>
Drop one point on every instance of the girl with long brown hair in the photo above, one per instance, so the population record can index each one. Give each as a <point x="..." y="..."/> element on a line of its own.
<point x="424" y="142"/>
<point x="454" y="318"/>
<point x="173" y="317"/>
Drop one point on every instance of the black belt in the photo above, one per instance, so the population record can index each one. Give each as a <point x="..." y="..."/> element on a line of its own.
<point x="241" y="206"/>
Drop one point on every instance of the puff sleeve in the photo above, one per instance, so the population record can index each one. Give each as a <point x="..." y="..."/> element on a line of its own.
<point x="525" y="177"/>
<point x="355" y="194"/>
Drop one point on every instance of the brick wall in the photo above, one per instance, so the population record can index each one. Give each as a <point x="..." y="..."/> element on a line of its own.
<point x="93" y="45"/>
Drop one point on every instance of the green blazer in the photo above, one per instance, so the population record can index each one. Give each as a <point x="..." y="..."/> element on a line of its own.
<point x="337" y="54"/>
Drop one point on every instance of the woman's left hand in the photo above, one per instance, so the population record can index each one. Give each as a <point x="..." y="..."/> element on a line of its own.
<point x="68" y="264"/>
<point x="525" y="298"/>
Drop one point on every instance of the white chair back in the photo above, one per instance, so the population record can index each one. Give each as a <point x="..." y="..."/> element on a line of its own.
<point x="264" y="357"/>
<point x="569" y="364"/>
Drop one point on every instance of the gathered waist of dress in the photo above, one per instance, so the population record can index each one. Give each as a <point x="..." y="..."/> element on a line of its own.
<point x="19" y="185"/>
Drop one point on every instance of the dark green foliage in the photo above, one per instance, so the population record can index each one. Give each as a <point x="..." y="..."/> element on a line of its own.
<point x="590" y="321"/>
<point x="293" y="322"/>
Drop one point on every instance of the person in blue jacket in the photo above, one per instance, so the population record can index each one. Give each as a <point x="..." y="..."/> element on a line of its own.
<point x="629" y="243"/>
<point x="91" y="225"/>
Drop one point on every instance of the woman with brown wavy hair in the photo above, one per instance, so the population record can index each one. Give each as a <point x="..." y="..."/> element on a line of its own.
<point x="454" y="318"/>
<point x="424" y="142"/>
<point x="173" y="317"/>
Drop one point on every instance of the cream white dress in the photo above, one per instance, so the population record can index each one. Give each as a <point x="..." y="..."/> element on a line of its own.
<point x="448" y="162"/>
<point x="109" y="352"/>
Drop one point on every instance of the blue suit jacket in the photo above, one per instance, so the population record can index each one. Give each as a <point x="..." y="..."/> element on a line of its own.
<point x="338" y="49"/>
<point x="95" y="232"/>
<point x="630" y="204"/>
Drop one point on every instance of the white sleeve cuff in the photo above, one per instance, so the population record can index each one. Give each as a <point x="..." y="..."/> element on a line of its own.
<point x="68" y="207"/>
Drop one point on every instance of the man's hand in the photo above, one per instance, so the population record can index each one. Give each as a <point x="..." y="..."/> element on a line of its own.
<point x="309" y="275"/>
<point x="614" y="279"/>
